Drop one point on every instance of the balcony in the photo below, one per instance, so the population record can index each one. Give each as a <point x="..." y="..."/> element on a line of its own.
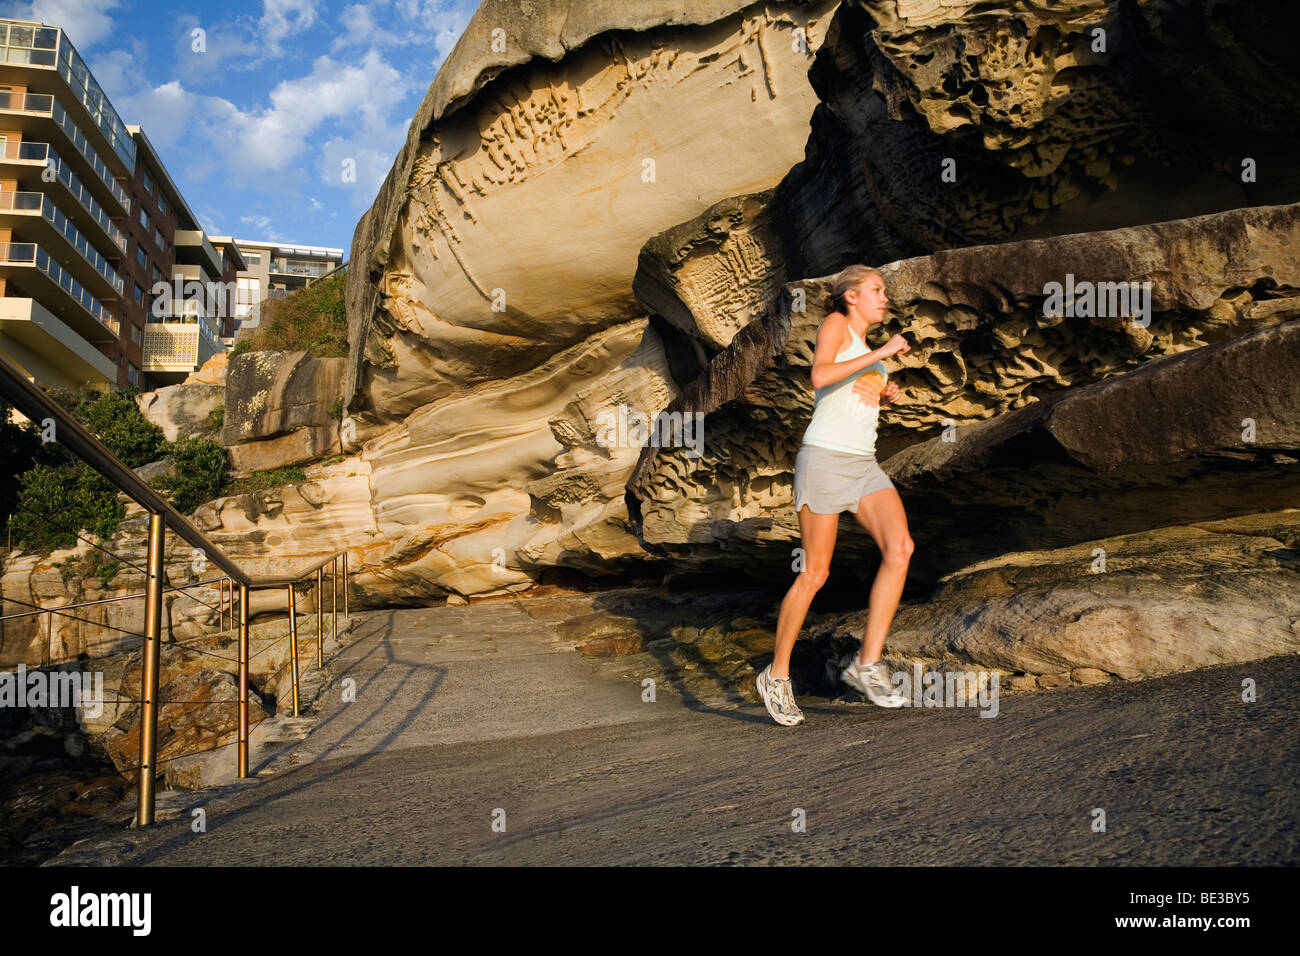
<point x="32" y="159"/>
<point x="179" y="345"/>
<point x="193" y="248"/>
<point x="27" y="51"/>
<point x="29" y="270"/>
<point x="299" y="269"/>
<point x="49" y="224"/>
<point x="33" y="113"/>
<point x="48" y="349"/>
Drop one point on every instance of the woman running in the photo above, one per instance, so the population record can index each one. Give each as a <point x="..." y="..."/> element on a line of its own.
<point x="836" y="470"/>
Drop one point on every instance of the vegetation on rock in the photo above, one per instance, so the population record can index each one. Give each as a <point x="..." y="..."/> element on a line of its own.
<point x="313" y="318"/>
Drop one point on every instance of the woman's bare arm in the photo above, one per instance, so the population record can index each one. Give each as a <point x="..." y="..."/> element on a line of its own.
<point x="830" y="341"/>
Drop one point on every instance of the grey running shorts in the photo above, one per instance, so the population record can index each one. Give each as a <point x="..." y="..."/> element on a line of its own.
<point x="830" y="481"/>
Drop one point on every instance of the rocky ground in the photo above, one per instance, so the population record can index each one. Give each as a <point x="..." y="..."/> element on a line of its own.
<point x="466" y="715"/>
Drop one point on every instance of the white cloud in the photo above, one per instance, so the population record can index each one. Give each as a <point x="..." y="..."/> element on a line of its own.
<point x="226" y="45"/>
<point x="262" y="226"/>
<point x="271" y="153"/>
<point x="404" y="23"/>
<point x="264" y="147"/>
<point x="282" y="19"/>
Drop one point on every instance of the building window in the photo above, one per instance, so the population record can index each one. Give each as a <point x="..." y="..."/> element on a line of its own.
<point x="136" y="336"/>
<point x="157" y="274"/>
<point x="139" y="294"/>
<point x="132" y="374"/>
<point x="148" y="181"/>
<point x="247" y="297"/>
<point x="140" y="255"/>
<point x="144" y="217"/>
<point x="253" y="258"/>
<point x="158" y="238"/>
<point x="162" y="202"/>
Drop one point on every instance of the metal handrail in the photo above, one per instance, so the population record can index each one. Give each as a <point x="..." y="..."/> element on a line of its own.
<point x="36" y="405"/>
<point x="28" y="399"/>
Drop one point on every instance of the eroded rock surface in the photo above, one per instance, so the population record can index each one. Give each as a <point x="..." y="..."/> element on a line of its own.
<point x="986" y="362"/>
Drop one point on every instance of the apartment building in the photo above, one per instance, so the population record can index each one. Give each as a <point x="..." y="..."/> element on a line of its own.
<point x="90" y="224"/>
<point x="181" y="328"/>
<point x="64" y="158"/>
<point x="275" y="270"/>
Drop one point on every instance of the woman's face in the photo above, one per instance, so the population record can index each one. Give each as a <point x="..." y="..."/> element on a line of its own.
<point x="869" y="298"/>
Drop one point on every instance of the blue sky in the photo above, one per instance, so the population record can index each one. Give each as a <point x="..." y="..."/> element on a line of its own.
<point x="255" y="129"/>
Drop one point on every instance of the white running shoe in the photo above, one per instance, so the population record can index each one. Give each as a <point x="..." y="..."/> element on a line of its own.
<point x="779" y="698"/>
<point x="873" y="680"/>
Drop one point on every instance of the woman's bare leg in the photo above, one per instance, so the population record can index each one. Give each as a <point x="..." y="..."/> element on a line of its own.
<point x="881" y="513"/>
<point x="817" y="534"/>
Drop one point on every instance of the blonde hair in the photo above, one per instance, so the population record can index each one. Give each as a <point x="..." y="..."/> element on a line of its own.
<point x="849" y="278"/>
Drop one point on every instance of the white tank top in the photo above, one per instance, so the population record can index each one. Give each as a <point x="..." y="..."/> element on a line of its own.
<point x="840" y="421"/>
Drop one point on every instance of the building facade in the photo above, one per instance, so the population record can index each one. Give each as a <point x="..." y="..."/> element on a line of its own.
<point x="182" y="283"/>
<point x="65" y="157"/>
<point x="91" y="226"/>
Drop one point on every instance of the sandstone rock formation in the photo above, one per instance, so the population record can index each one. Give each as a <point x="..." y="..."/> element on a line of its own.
<point x="280" y="409"/>
<point x="481" y="355"/>
<point x="183" y="411"/>
<point x="211" y="372"/>
<point x="1049" y="119"/>
<point x="454" y="316"/>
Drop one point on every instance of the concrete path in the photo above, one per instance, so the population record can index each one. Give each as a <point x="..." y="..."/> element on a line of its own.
<point x="466" y="716"/>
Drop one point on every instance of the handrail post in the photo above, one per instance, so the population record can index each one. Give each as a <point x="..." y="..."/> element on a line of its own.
<point x="293" y="648"/>
<point x="243" y="677"/>
<point x="345" y="584"/>
<point x="149" y="673"/>
<point x="320" y="624"/>
<point x="334" y="598"/>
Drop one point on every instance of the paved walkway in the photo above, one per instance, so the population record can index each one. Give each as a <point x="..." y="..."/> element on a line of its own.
<point x="464" y="714"/>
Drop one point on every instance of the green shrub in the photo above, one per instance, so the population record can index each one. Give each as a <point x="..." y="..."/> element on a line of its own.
<point x="22" y="448"/>
<point x="57" y="501"/>
<point x="217" y="417"/>
<point x="114" y="418"/>
<point x="200" y="473"/>
<point x="241" y="347"/>
<point x="57" y="495"/>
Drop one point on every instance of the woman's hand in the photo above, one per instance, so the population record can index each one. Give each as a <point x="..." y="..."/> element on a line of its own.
<point x="889" y="393"/>
<point x="897" y="345"/>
